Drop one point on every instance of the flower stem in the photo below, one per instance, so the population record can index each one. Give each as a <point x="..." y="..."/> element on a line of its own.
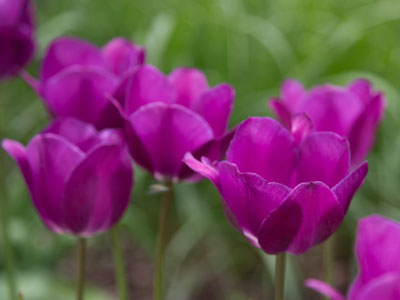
<point x="80" y="268"/>
<point x="280" y="269"/>
<point x="119" y="263"/>
<point x="160" y="247"/>
<point x="7" y="247"/>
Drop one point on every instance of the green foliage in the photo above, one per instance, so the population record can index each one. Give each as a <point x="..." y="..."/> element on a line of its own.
<point x="253" y="45"/>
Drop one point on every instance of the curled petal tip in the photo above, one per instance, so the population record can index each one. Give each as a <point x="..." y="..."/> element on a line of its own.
<point x="324" y="289"/>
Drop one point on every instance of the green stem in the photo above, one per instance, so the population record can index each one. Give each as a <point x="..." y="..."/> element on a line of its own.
<point x="80" y="268"/>
<point x="280" y="269"/>
<point x="162" y="229"/>
<point x="7" y="247"/>
<point x="119" y="264"/>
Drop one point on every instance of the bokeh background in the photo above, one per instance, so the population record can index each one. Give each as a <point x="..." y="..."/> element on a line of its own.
<point x="253" y="45"/>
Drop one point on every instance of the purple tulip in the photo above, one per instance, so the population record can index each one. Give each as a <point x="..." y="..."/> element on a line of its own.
<point x="16" y="35"/>
<point x="79" y="179"/>
<point x="353" y="111"/>
<point x="76" y="77"/>
<point x="165" y="117"/>
<point x="377" y="250"/>
<point x="286" y="192"/>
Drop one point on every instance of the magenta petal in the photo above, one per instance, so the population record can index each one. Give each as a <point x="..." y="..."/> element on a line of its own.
<point x="80" y="92"/>
<point x="249" y="197"/>
<point x="301" y="126"/>
<point x="331" y="109"/>
<point x="147" y="85"/>
<point x="215" y="106"/>
<point x="292" y="92"/>
<point x="362" y="88"/>
<point x="281" y="111"/>
<point x="386" y="287"/>
<point x="348" y="186"/>
<point x="189" y="84"/>
<point x="377" y="249"/>
<point x="324" y="156"/>
<point x="168" y="132"/>
<point x="98" y="191"/>
<point x="79" y="133"/>
<point x="309" y="215"/>
<point x="67" y="51"/>
<point x="203" y="168"/>
<point x="324" y="288"/>
<point x="265" y="147"/>
<point x="122" y="55"/>
<point x="51" y="160"/>
<point x="362" y="134"/>
<point x="18" y="153"/>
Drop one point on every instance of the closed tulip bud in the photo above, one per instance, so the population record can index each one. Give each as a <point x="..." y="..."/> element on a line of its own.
<point x="167" y="116"/>
<point x="285" y="191"/>
<point x="79" y="179"/>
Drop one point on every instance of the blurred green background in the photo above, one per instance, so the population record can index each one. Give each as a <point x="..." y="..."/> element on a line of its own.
<point x="253" y="45"/>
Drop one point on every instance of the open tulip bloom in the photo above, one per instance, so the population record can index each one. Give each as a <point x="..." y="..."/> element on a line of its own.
<point x="79" y="179"/>
<point x="75" y="77"/>
<point x="16" y="35"/>
<point x="353" y="111"/>
<point x="285" y="191"/>
<point x="165" y="117"/>
<point x="377" y="250"/>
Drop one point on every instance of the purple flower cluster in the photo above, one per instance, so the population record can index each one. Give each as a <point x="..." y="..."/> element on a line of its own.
<point x="286" y="186"/>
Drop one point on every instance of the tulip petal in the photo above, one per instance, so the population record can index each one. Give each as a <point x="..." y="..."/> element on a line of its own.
<point x="362" y="134"/>
<point x="324" y="288"/>
<point x="215" y="106"/>
<point x="80" y="92"/>
<point x="386" y="287"/>
<point x="308" y="216"/>
<point x="48" y="176"/>
<point x="18" y="152"/>
<point x="168" y="132"/>
<point x="202" y="167"/>
<point x="98" y="190"/>
<point x="377" y="249"/>
<point x="324" y="156"/>
<point x="249" y="197"/>
<point x="331" y="109"/>
<point x="292" y="92"/>
<point x="265" y="147"/>
<point x="281" y="111"/>
<point x="122" y="55"/>
<point x="301" y="126"/>
<point x="213" y="150"/>
<point x="79" y="133"/>
<point x="363" y="89"/>
<point x="348" y="186"/>
<point x="16" y="49"/>
<point x="147" y="85"/>
<point x="189" y="83"/>
<point x="67" y="51"/>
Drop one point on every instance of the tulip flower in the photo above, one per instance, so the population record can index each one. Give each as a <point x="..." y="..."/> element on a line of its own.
<point x="76" y="76"/>
<point x="16" y="35"/>
<point x="165" y="117"/>
<point x="286" y="192"/>
<point x="353" y="111"/>
<point x="79" y="179"/>
<point x="377" y="251"/>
